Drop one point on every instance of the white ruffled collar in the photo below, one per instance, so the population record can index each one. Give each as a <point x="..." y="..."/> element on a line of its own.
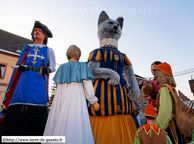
<point x="37" y="45"/>
<point x="109" y="42"/>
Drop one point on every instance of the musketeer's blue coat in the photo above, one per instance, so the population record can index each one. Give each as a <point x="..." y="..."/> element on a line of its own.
<point x="31" y="88"/>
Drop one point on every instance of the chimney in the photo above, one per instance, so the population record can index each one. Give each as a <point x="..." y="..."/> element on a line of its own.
<point x="191" y="83"/>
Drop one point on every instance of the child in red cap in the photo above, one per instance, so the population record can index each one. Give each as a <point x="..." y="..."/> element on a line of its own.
<point x="149" y="133"/>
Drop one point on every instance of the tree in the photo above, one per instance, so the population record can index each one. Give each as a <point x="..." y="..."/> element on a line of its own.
<point x="53" y="90"/>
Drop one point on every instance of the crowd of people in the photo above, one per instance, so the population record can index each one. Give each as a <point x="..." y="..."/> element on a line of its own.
<point x="26" y="112"/>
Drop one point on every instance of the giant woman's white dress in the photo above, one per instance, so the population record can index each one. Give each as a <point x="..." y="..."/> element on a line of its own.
<point x="69" y="115"/>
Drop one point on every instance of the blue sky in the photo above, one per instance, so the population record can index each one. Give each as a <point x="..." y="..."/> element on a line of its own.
<point x="153" y="29"/>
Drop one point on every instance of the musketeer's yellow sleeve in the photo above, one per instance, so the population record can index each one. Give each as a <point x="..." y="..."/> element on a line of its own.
<point x="136" y="141"/>
<point x="165" y="109"/>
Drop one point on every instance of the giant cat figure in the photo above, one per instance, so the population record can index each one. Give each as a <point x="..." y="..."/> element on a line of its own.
<point x="112" y="123"/>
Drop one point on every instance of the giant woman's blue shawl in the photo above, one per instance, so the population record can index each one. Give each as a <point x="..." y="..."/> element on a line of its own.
<point x="73" y="72"/>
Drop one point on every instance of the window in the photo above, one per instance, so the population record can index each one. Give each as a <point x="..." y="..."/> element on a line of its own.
<point x="18" y="51"/>
<point x="2" y="71"/>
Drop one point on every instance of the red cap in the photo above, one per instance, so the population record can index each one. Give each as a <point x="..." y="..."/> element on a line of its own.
<point x="166" y="68"/>
<point x="150" y="111"/>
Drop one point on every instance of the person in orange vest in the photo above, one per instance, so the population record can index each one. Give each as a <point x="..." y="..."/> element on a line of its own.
<point x="149" y="133"/>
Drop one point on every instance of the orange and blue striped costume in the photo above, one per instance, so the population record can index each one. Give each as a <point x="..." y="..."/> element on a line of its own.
<point x="110" y="96"/>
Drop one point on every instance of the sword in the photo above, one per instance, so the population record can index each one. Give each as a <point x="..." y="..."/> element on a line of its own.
<point x="17" y="66"/>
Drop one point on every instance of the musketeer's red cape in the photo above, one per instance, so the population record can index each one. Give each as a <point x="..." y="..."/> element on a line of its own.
<point x="13" y="82"/>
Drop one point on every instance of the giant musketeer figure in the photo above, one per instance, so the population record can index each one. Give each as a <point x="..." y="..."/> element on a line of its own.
<point x="26" y="95"/>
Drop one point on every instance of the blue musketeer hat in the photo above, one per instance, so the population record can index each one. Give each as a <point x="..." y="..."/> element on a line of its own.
<point x="37" y="24"/>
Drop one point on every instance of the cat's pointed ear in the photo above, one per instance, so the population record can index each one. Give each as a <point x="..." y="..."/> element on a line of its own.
<point x="120" y="21"/>
<point x="103" y="17"/>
